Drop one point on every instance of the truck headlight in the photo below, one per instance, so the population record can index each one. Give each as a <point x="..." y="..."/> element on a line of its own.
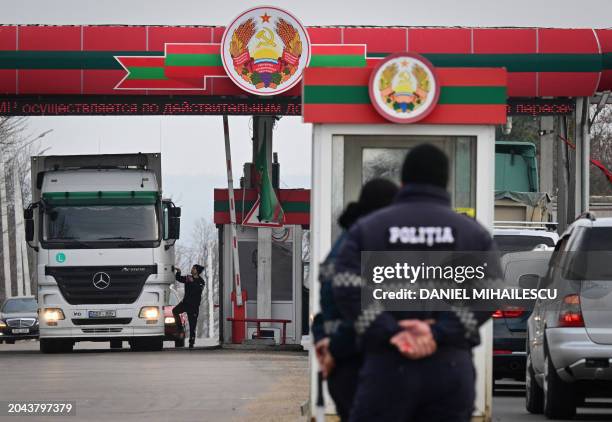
<point x="52" y="315"/>
<point x="169" y="320"/>
<point x="149" y="313"/>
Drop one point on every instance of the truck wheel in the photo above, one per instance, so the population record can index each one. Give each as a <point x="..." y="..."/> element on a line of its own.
<point x="559" y="397"/>
<point x="136" y="345"/>
<point x="48" y="345"/>
<point x="155" y="344"/>
<point x="142" y="344"/>
<point x="116" y="344"/>
<point x="179" y="343"/>
<point x="51" y="345"/>
<point x="534" y="395"/>
<point x="66" y="346"/>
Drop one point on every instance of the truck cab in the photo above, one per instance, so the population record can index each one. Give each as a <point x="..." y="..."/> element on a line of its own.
<point x="104" y="242"/>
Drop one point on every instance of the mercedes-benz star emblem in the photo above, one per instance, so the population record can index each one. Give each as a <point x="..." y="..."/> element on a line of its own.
<point x="101" y="280"/>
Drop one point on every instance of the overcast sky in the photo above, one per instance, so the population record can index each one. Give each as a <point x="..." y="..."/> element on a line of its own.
<point x="192" y="147"/>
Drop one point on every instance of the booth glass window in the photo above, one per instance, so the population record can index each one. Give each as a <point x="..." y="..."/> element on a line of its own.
<point x="282" y="269"/>
<point x="366" y="157"/>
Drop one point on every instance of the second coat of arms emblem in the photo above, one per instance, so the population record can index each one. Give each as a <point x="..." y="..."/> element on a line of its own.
<point x="265" y="50"/>
<point x="404" y="88"/>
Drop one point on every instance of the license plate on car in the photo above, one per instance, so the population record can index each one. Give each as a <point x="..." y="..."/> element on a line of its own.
<point x="21" y="330"/>
<point x="102" y="314"/>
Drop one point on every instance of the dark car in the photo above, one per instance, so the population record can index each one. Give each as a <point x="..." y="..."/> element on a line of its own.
<point x="18" y="319"/>
<point x="510" y="325"/>
<point x="172" y="331"/>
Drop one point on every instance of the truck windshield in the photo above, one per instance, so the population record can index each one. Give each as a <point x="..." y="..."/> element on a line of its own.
<point x="101" y="223"/>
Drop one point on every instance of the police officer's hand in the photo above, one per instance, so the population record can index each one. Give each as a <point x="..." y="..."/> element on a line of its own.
<point x="324" y="356"/>
<point x="415" y="341"/>
<point x="321" y="348"/>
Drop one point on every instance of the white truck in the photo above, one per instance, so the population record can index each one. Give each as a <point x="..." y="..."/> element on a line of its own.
<point x="104" y="244"/>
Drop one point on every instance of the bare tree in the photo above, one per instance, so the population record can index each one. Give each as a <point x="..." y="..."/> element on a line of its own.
<point x="601" y="149"/>
<point x="15" y="152"/>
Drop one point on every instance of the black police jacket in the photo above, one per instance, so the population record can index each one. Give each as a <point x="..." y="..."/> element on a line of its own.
<point x="416" y="207"/>
<point x="193" y="291"/>
<point x="329" y="322"/>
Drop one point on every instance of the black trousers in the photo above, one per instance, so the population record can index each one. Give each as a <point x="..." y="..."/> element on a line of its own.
<point x="192" y="316"/>
<point x="342" y="384"/>
<point x="435" y="389"/>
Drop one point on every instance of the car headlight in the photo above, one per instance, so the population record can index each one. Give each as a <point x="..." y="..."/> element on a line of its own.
<point x="169" y="320"/>
<point x="2" y="324"/>
<point x="149" y="312"/>
<point x="52" y="315"/>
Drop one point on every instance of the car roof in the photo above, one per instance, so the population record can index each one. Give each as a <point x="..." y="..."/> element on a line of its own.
<point x="587" y="222"/>
<point x="526" y="232"/>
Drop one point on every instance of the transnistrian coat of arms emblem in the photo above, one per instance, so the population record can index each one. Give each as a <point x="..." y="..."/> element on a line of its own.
<point x="265" y="50"/>
<point x="404" y="88"/>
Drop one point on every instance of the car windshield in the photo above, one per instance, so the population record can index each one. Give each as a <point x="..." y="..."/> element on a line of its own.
<point x="12" y="306"/>
<point x="93" y="223"/>
<point x="518" y="243"/>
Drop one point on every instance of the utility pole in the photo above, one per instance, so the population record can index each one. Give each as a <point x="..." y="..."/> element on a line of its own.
<point x="17" y="203"/>
<point x="210" y="285"/>
<point x="547" y="142"/>
<point x="6" y="257"/>
<point x="562" y="178"/>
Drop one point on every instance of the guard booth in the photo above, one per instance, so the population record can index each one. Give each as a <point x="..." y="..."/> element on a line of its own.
<point x="286" y="295"/>
<point x="353" y="143"/>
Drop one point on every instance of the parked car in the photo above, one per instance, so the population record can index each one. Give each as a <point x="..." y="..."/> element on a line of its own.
<point x="569" y="338"/>
<point x="510" y="325"/>
<point x="519" y="239"/>
<point x="172" y="331"/>
<point x="18" y="319"/>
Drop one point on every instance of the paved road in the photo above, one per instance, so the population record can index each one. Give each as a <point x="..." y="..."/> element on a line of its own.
<point x="172" y="385"/>
<point x="183" y="385"/>
<point x="509" y="406"/>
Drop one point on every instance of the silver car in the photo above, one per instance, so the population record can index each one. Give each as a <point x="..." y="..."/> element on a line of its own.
<point x="569" y="338"/>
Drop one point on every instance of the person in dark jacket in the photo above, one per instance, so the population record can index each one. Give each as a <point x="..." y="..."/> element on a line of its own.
<point x="190" y="304"/>
<point x="334" y="337"/>
<point x="417" y="366"/>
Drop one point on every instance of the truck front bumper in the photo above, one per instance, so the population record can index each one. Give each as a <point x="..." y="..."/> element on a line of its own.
<point x="100" y="332"/>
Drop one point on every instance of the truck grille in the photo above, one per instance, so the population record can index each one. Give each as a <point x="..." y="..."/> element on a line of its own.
<point x="101" y="330"/>
<point x="101" y="321"/>
<point x="121" y="284"/>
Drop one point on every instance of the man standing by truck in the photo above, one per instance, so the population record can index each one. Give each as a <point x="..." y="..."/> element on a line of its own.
<point x="190" y="304"/>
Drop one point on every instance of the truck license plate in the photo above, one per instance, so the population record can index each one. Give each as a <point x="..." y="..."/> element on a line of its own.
<point x="21" y="330"/>
<point x="102" y="314"/>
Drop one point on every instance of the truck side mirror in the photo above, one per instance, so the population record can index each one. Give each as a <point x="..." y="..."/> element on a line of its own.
<point x="174" y="227"/>
<point x="174" y="212"/>
<point x="28" y="213"/>
<point x="29" y="230"/>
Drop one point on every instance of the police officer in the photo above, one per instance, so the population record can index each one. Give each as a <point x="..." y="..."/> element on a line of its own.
<point x="190" y="304"/>
<point x="417" y="366"/>
<point x="336" y="350"/>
